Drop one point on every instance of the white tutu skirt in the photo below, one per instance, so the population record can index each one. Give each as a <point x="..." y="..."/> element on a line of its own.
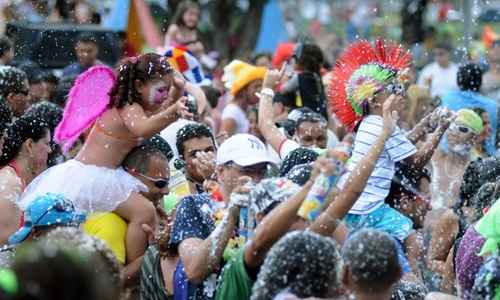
<point x="89" y="187"/>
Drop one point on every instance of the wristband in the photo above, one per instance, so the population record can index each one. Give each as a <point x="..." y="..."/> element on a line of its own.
<point x="265" y="92"/>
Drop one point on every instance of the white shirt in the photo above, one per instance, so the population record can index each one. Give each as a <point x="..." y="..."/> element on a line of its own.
<point x="233" y="111"/>
<point x="443" y="80"/>
<point x="396" y="148"/>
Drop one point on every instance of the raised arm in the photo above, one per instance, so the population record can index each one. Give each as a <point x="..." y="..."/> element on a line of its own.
<point x="424" y="154"/>
<point x="328" y="221"/>
<point x="273" y="227"/>
<point x="266" y="123"/>
<point x="201" y="257"/>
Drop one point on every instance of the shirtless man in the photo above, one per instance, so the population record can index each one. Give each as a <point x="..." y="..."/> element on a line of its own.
<point x="448" y="166"/>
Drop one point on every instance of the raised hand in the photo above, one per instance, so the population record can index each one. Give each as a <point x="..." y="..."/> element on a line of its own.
<point x="273" y="77"/>
<point x="389" y="115"/>
<point x="205" y="163"/>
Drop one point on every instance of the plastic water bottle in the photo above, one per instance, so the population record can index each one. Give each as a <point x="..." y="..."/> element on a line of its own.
<point x="317" y="197"/>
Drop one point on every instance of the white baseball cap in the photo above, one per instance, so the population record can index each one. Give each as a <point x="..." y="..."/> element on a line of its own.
<point x="244" y="150"/>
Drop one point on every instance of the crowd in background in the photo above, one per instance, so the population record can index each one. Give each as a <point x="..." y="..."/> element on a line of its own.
<point x="341" y="170"/>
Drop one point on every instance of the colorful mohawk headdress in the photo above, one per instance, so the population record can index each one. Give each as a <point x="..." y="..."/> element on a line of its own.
<point x="361" y="72"/>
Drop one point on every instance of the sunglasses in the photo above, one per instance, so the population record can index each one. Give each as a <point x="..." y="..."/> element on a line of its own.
<point x="461" y="128"/>
<point x="158" y="182"/>
<point x="397" y="89"/>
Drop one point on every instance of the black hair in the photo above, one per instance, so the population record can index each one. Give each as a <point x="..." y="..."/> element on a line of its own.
<point x="309" y="57"/>
<point x="139" y="158"/>
<point x="212" y="94"/>
<point x="312" y="117"/>
<point x="5" y="115"/>
<point x="32" y="70"/>
<point x="181" y="10"/>
<point x="476" y="174"/>
<point x="371" y="257"/>
<point x="302" y="262"/>
<point x="300" y="174"/>
<point x="143" y="68"/>
<point x="191" y="131"/>
<point x="62" y="90"/>
<point x="469" y="77"/>
<point x="287" y="99"/>
<point x="409" y="290"/>
<point x="487" y="194"/>
<point x="5" y="45"/>
<point x="256" y="57"/>
<point x="297" y="157"/>
<point x="49" y="77"/>
<point x="86" y="37"/>
<point x="22" y="129"/>
<point x="12" y="80"/>
<point x="51" y="114"/>
<point x="161" y="144"/>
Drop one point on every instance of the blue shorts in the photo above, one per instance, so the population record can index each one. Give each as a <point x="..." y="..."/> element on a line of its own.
<point x="384" y="218"/>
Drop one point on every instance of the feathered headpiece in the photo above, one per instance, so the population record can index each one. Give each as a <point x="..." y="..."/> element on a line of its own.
<point x="362" y="71"/>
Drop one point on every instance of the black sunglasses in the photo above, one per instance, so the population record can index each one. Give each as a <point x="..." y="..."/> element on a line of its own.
<point x="158" y="182"/>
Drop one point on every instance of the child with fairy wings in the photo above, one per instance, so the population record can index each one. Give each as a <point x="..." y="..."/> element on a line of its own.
<point x="143" y="99"/>
<point x="364" y="78"/>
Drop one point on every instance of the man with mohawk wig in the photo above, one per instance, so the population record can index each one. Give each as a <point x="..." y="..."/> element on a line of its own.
<point x="364" y="77"/>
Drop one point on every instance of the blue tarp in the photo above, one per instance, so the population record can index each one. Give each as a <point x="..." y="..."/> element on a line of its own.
<point x="117" y="19"/>
<point x="457" y="100"/>
<point x="272" y="29"/>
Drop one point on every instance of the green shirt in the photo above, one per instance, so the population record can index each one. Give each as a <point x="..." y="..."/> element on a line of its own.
<point x="234" y="282"/>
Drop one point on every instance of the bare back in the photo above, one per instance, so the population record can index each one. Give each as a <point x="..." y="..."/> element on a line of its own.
<point x="109" y="141"/>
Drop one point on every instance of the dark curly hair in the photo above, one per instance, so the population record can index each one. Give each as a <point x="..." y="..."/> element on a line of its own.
<point x="476" y="174"/>
<point x="22" y="129"/>
<point x="372" y="259"/>
<point x="12" y="80"/>
<point x="191" y="131"/>
<point x="143" y="68"/>
<point x="5" y="115"/>
<point x="303" y="262"/>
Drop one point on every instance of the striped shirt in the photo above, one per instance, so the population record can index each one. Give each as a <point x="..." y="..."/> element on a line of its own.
<point x="152" y="284"/>
<point x="396" y="148"/>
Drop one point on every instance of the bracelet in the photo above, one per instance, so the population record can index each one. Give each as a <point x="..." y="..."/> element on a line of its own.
<point x="265" y="92"/>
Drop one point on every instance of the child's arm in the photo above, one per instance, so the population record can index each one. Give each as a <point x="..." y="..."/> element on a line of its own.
<point x="142" y="125"/>
<point x="328" y="221"/>
<point x="266" y="118"/>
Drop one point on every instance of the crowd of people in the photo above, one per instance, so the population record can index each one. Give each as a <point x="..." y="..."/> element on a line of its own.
<point x="282" y="177"/>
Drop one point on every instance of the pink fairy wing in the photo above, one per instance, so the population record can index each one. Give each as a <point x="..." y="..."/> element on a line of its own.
<point x="88" y="100"/>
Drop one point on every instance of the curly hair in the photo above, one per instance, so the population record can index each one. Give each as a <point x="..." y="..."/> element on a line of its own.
<point x="191" y="131"/>
<point x="476" y="174"/>
<point x="12" y="80"/>
<point x="372" y="259"/>
<point x="303" y="262"/>
<point x="143" y="68"/>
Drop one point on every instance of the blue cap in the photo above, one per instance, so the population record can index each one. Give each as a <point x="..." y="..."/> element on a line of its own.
<point x="47" y="210"/>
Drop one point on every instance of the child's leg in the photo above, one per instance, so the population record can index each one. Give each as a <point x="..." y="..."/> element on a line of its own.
<point x="137" y="210"/>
